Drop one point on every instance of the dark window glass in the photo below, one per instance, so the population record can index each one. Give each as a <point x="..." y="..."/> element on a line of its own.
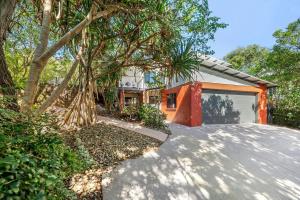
<point x="153" y="99"/>
<point x="171" y="100"/>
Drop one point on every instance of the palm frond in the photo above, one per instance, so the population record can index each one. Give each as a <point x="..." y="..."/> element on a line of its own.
<point x="183" y="61"/>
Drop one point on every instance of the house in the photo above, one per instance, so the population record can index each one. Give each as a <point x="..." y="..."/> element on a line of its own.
<point x="217" y="94"/>
<point x="135" y="88"/>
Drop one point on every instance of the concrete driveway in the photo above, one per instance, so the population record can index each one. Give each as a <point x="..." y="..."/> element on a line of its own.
<point x="248" y="161"/>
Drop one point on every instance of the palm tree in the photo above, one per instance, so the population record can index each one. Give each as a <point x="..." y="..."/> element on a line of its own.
<point x="183" y="61"/>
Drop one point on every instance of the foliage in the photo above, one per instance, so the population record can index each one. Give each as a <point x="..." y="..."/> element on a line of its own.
<point x="283" y="63"/>
<point x="20" y="46"/>
<point x="280" y="65"/>
<point x="193" y="19"/>
<point x="107" y="83"/>
<point x="250" y="59"/>
<point x="286" y="117"/>
<point x="152" y="117"/>
<point x="34" y="161"/>
<point x="122" y="33"/>
<point x="84" y="153"/>
<point x="130" y="112"/>
<point x="183" y="60"/>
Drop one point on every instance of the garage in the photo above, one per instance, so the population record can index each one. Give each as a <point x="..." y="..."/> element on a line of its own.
<point x="228" y="107"/>
<point x="217" y="94"/>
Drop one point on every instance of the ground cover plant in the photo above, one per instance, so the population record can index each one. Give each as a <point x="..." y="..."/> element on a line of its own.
<point x="34" y="161"/>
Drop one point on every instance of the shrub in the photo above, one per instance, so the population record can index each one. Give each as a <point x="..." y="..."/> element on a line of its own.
<point x="286" y="117"/>
<point x="152" y="117"/>
<point x="34" y="162"/>
<point x="130" y="112"/>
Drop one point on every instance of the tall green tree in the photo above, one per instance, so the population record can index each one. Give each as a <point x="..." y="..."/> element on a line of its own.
<point x="280" y="64"/>
<point x="283" y="63"/>
<point x="7" y="87"/>
<point x="250" y="59"/>
<point x="122" y="33"/>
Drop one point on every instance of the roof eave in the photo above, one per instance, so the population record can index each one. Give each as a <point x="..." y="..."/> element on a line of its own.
<point x="213" y="64"/>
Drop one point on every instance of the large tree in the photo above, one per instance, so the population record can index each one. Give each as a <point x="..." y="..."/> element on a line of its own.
<point x="250" y="59"/>
<point x="280" y="64"/>
<point x="283" y="65"/>
<point x="7" y="87"/>
<point x="83" y="12"/>
<point x="96" y="35"/>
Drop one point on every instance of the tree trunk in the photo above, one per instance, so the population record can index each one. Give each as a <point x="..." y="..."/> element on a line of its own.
<point x="7" y="87"/>
<point x="36" y="67"/>
<point x="40" y="90"/>
<point x="82" y="111"/>
<point x="57" y="92"/>
<point x="42" y="54"/>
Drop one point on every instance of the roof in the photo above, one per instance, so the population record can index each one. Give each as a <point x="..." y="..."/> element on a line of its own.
<point x="225" y="67"/>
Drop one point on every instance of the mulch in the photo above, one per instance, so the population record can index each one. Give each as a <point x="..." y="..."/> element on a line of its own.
<point x="108" y="145"/>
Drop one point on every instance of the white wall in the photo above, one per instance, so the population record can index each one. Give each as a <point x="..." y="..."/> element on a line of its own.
<point x="208" y="75"/>
<point x="134" y="77"/>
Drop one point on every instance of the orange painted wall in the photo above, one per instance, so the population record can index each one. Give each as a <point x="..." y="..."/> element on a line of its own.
<point x="188" y="110"/>
<point x="262" y="105"/>
<point x="180" y="114"/>
<point x="196" y="110"/>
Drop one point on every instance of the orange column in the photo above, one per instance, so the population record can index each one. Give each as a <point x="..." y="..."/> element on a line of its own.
<point x="196" y="112"/>
<point x="262" y="105"/>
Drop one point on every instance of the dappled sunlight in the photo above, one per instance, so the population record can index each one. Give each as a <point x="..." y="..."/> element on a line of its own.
<point x="222" y="185"/>
<point x="291" y="189"/>
<point x="247" y="161"/>
<point x="88" y="183"/>
<point x="204" y="193"/>
<point x="258" y="196"/>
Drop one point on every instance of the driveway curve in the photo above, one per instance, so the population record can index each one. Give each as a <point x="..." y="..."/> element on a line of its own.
<point x="247" y="161"/>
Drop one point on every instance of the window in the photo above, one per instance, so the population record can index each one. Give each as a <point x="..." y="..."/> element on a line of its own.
<point x="153" y="99"/>
<point x="130" y="101"/>
<point x="171" y="100"/>
<point x="149" y="77"/>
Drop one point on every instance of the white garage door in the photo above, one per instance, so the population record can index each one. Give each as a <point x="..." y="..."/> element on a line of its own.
<point x="228" y="107"/>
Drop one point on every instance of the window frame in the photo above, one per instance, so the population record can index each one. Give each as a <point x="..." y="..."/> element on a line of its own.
<point x="172" y="101"/>
<point x="153" y="98"/>
<point x="149" y="77"/>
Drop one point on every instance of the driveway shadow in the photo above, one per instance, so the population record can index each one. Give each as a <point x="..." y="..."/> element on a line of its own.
<point x="247" y="161"/>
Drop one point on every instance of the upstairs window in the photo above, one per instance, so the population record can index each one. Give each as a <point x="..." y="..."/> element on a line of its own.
<point x="149" y="77"/>
<point x="171" y="100"/>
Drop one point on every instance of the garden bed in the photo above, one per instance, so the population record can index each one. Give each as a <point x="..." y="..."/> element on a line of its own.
<point x="134" y="119"/>
<point x="105" y="146"/>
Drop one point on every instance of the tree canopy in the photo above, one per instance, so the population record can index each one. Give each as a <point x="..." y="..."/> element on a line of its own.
<point x="280" y="64"/>
<point x="250" y="59"/>
<point x="80" y="41"/>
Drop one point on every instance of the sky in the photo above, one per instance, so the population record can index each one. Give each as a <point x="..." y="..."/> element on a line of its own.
<point x="250" y="22"/>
